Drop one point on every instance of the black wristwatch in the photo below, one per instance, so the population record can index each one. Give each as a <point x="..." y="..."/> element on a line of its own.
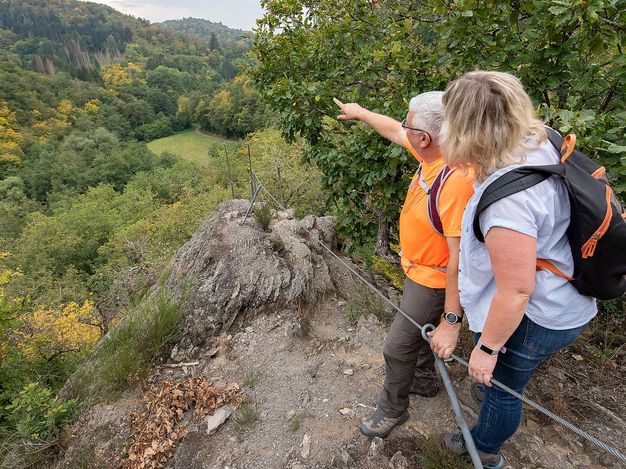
<point x="452" y="318"/>
<point x="489" y="350"/>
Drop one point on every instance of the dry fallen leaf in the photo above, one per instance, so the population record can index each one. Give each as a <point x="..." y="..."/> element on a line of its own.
<point x="157" y="430"/>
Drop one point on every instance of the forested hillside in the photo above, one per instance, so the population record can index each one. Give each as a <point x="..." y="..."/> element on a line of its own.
<point x="78" y="38"/>
<point x="218" y="35"/>
<point x="88" y="215"/>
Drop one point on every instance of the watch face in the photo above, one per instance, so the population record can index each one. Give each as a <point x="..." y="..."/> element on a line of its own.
<point x="451" y="318"/>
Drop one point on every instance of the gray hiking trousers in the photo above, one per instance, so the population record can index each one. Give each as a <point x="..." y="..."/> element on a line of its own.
<point x="407" y="354"/>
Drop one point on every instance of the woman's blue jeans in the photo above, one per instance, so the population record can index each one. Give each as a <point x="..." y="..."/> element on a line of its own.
<point x="500" y="413"/>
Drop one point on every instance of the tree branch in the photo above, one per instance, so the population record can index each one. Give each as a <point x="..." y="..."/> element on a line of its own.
<point x="99" y="326"/>
<point x="607" y="99"/>
<point x="613" y="23"/>
<point x="59" y="353"/>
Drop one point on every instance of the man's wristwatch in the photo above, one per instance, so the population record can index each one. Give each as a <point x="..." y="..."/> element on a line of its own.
<point x="489" y="350"/>
<point x="452" y="318"/>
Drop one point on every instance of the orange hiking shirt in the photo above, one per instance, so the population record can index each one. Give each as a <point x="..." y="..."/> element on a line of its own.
<point x="425" y="253"/>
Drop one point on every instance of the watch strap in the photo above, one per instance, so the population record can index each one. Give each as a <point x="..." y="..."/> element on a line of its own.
<point x="488" y="349"/>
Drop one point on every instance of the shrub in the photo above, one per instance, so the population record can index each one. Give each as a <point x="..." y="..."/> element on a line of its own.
<point x="263" y="215"/>
<point x="35" y="412"/>
<point x="352" y="316"/>
<point x="245" y="416"/>
<point x="251" y="379"/>
<point x="130" y="350"/>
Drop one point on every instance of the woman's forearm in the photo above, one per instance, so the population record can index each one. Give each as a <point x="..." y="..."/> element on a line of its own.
<point x="513" y="256"/>
<point x="505" y="314"/>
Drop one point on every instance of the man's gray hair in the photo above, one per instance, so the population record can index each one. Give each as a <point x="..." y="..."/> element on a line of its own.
<point x="427" y="110"/>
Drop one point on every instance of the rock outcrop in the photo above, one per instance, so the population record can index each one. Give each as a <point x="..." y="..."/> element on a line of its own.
<point x="230" y="268"/>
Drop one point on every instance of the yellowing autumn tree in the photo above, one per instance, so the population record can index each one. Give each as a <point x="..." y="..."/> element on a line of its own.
<point x="92" y="106"/>
<point x="49" y="129"/>
<point x="10" y="138"/>
<point x="116" y="75"/>
<point x="47" y="333"/>
<point x="65" y="107"/>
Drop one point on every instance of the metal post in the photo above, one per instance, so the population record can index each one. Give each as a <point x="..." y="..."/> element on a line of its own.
<point x="256" y="192"/>
<point x="280" y="184"/>
<point x="252" y="188"/>
<point x="230" y="174"/>
<point x="460" y="420"/>
<point x="454" y="402"/>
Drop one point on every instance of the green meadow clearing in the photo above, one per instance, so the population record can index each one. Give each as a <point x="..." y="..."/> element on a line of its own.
<point x="190" y="145"/>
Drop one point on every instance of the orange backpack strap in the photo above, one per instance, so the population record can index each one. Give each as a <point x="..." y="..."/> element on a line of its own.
<point x="567" y="147"/>
<point x="543" y="264"/>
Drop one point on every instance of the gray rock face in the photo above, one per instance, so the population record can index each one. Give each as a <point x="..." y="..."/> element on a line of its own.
<point x="228" y="269"/>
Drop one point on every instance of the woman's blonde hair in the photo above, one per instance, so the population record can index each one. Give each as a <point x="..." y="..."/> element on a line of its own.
<point x="488" y="122"/>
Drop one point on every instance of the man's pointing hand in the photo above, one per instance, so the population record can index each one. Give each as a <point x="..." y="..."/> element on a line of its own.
<point x="349" y="111"/>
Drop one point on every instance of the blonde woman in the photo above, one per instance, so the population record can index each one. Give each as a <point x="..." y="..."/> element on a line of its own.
<point x="520" y="316"/>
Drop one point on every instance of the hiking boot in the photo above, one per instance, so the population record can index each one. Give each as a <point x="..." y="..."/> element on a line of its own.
<point x="456" y="443"/>
<point x="381" y="426"/>
<point x="425" y="384"/>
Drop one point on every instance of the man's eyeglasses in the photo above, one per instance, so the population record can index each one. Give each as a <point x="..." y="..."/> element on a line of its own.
<point x="404" y="126"/>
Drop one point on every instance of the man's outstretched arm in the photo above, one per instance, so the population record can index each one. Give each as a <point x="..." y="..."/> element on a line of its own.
<point x="387" y="127"/>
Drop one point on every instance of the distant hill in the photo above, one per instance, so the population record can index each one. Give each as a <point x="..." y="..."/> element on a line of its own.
<point x="205" y="29"/>
<point x="74" y="36"/>
<point x="135" y="78"/>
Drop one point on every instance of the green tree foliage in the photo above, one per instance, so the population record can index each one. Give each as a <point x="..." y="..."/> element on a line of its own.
<point x="83" y="160"/>
<point x="295" y="182"/>
<point x="234" y="110"/>
<point x="131" y="75"/>
<point x="214" y="44"/>
<point x="185" y="111"/>
<point x="15" y="206"/>
<point x="278" y="164"/>
<point x="168" y="79"/>
<point x="35" y="413"/>
<point x="85" y="263"/>
<point x="67" y="34"/>
<point x="71" y="237"/>
<point x="569" y="56"/>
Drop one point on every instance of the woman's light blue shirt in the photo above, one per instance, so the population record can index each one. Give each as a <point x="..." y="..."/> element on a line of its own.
<point x="543" y="212"/>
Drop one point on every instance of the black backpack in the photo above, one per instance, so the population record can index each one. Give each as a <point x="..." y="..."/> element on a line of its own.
<point x="597" y="229"/>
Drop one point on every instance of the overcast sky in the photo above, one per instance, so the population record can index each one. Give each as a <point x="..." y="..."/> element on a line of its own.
<point x="234" y="13"/>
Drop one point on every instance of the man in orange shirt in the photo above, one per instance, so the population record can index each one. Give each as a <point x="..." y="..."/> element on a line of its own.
<point x="430" y="231"/>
